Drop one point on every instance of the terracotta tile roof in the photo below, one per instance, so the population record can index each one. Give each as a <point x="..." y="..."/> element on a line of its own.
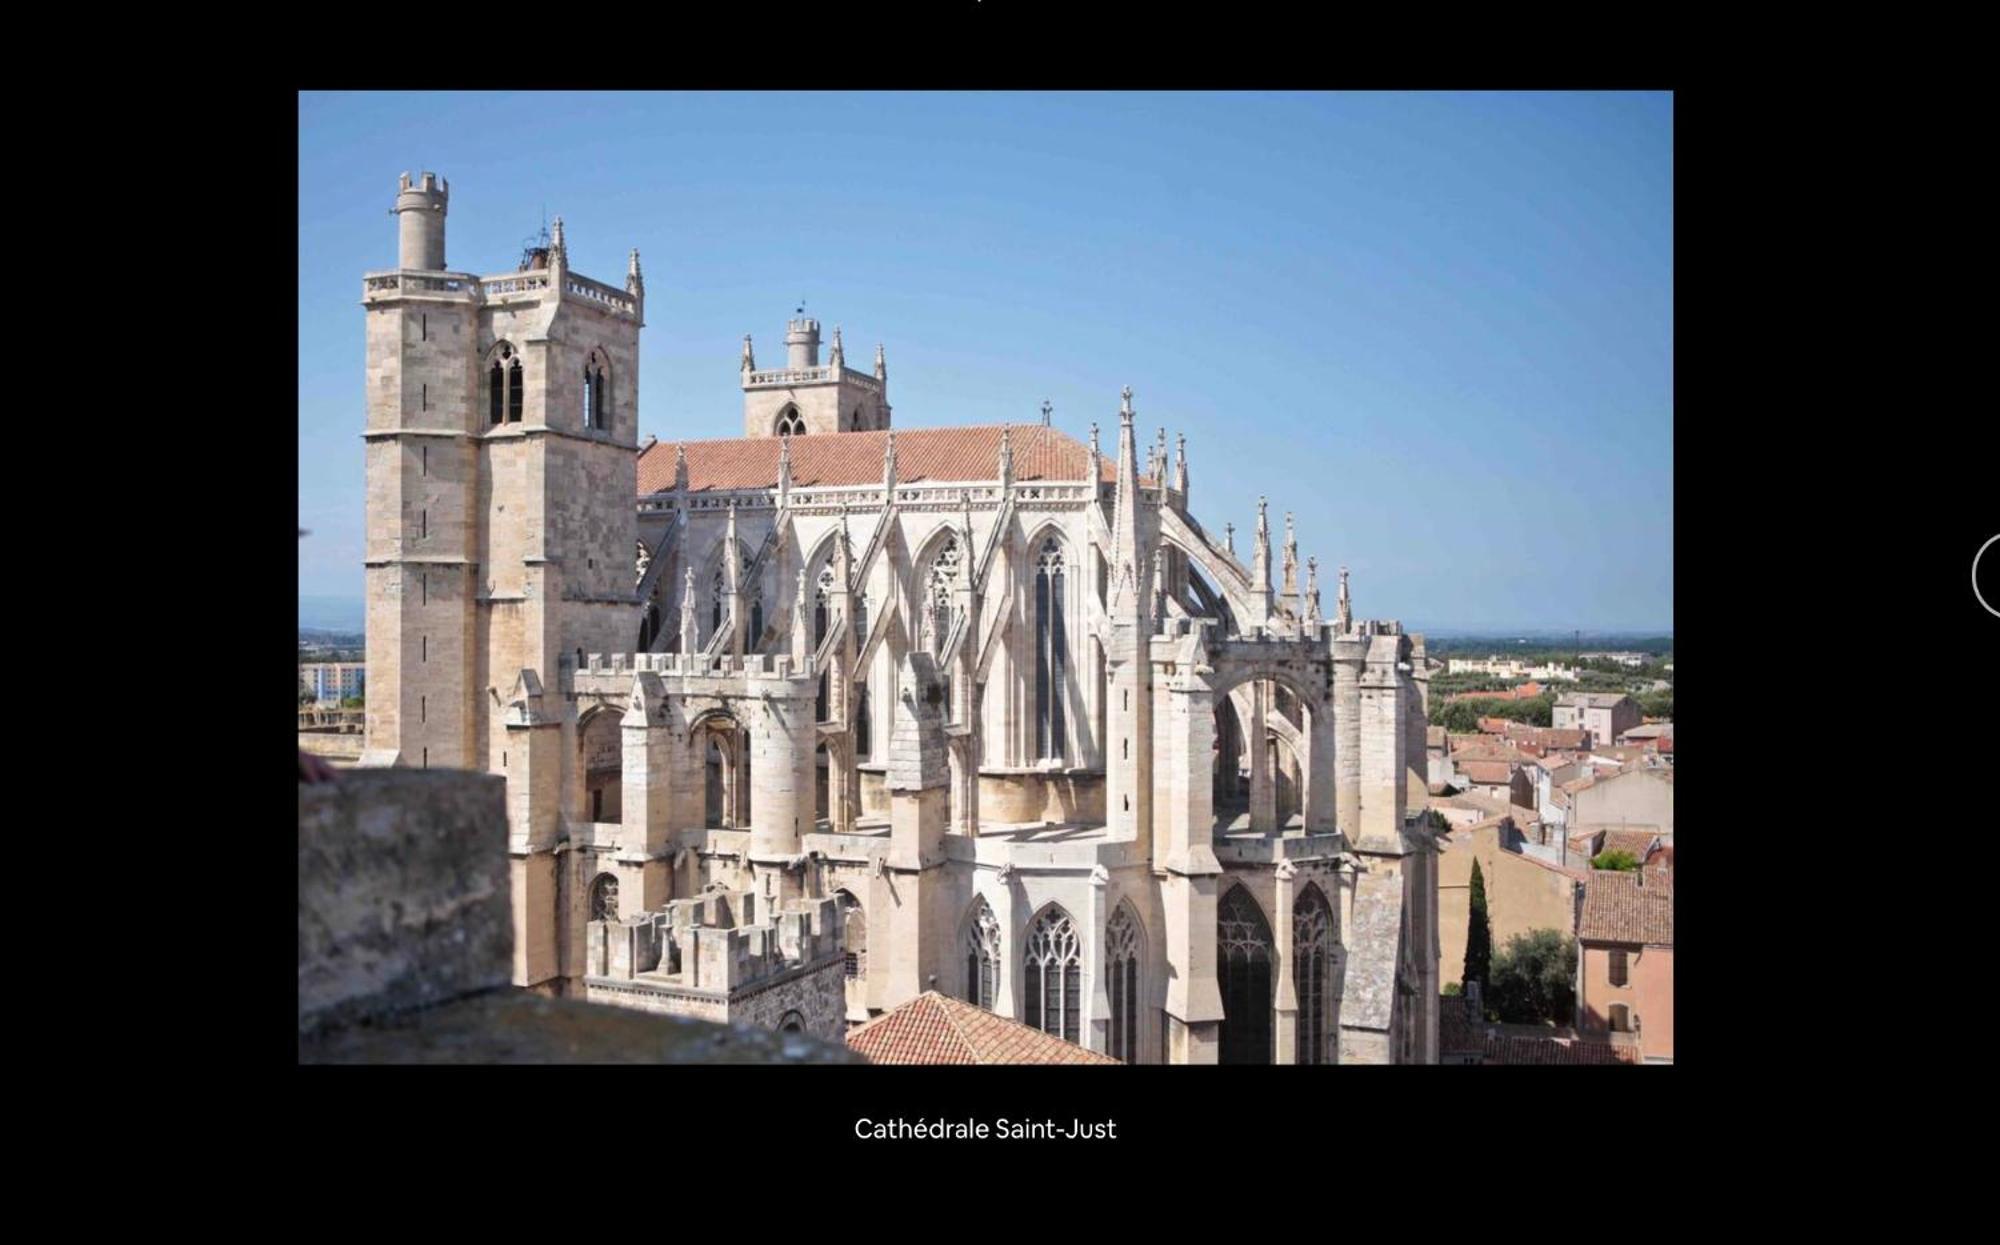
<point x="1504" y="1048"/>
<point x="1633" y="842"/>
<point x="1486" y="773"/>
<point x="1617" y="908"/>
<point x="851" y="459"/>
<point x="1591" y="700"/>
<point x="933" y="1028"/>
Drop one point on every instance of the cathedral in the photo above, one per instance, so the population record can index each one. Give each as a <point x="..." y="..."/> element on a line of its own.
<point x="799" y="725"/>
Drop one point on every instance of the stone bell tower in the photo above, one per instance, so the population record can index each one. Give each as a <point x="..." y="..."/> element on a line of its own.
<point x="805" y="397"/>
<point x="501" y="431"/>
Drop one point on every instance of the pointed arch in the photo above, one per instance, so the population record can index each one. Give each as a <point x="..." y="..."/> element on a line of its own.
<point x="1124" y="968"/>
<point x="1315" y="932"/>
<point x="940" y="560"/>
<point x="751" y="588"/>
<point x="1049" y="568"/>
<point x="789" y="423"/>
<point x="597" y="389"/>
<point x="979" y="943"/>
<point x="1052" y="973"/>
<point x="1243" y="956"/>
<point x="604" y="897"/>
<point x="505" y="387"/>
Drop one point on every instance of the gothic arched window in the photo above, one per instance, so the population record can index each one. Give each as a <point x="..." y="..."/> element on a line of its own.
<point x="790" y="423"/>
<point x="938" y="586"/>
<point x="596" y="392"/>
<point x="1243" y="970"/>
<point x="1121" y="967"/>
<point x="1312" y="974"/>
<point x="794" y="1022"/>
<point x="1050" y="652"/>
<point x="1053" y="973"/>
<point x="604" y="898"/>
<point x="504" y="389"/>
<point x="982" y="955"/>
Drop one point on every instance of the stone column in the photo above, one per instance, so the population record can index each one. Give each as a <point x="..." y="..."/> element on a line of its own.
<point x="1384" y="789"/>
<point x="1007" y="1000"/>
<point x="648" y="798"/>
<point x="1096" y="1020"/>
<point x="1349" y="654"/>
<point x="1263" y="788"/>
<point x="1285" y="1026"/>
<point x="781" y="807"/>
<point x="1320" y="768"/>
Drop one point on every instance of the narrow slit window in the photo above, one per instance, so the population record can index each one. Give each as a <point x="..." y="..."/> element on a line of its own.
<point x="516" y="393"/>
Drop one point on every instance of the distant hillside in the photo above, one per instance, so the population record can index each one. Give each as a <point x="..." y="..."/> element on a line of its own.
<point x="332" y="613"/>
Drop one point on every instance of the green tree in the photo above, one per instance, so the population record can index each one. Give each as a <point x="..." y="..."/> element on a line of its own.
<point x="1617" y="859"/>
<point x="353" y="702"/>
<point x="1533" y="980"/>
<point x="1479" y="933"/>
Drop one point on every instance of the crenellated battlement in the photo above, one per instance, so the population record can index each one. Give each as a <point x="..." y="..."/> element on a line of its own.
<point x="721" y="942"/>
<point x="756" y="665"/>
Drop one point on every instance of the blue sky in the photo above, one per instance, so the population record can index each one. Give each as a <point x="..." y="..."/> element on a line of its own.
<point x="1436" y="327"/>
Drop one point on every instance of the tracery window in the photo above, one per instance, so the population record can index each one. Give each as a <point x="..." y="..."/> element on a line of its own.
<point x="982" y="955"/>
<point x="1243" y="969"/>
<point x="1121" y="966"/>
<point x="1312" y="974"/>
<point x="938" y="586"/>
<point x="1053" y="974"/>
<point x="504" y="388"/>
<point x="1050" y="652"/>
<point x="604" y="898"/>
<point x="790" y="424"/>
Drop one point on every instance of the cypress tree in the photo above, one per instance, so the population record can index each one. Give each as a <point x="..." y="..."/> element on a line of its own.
<point x="1478" y="933"/>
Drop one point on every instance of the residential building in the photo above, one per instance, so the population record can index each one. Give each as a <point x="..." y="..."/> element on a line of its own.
<point x="331" y="682"/>
<point x="1606" y="715"/>
<point x="1625" y="969"/>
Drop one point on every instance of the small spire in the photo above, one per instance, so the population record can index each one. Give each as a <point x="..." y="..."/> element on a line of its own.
<point x="784" y="470"/>
<point x="557" y="248"/>
<point x="889" y="462"/>
<point x="1291" y="557"/>
<point x="1093" y="439"/>
<point x="881" y="365"/>
<point x="1125" y="407"/>
<point x="1006" y="455"/>
<point x="1260" y="567"/>
<point x="749" y="360"/>
<point x="687" y="612"/>
<point x="1312" y="590"/>
<point x="839" y="357"/>
<point x="681" y="467"/>
<point x="1046" y="409"/>
<point x="1345" y="608"/>
<point x="635" y="281"/>
<point x="1180" y="467"/>
<point x="1229" y="538"/>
